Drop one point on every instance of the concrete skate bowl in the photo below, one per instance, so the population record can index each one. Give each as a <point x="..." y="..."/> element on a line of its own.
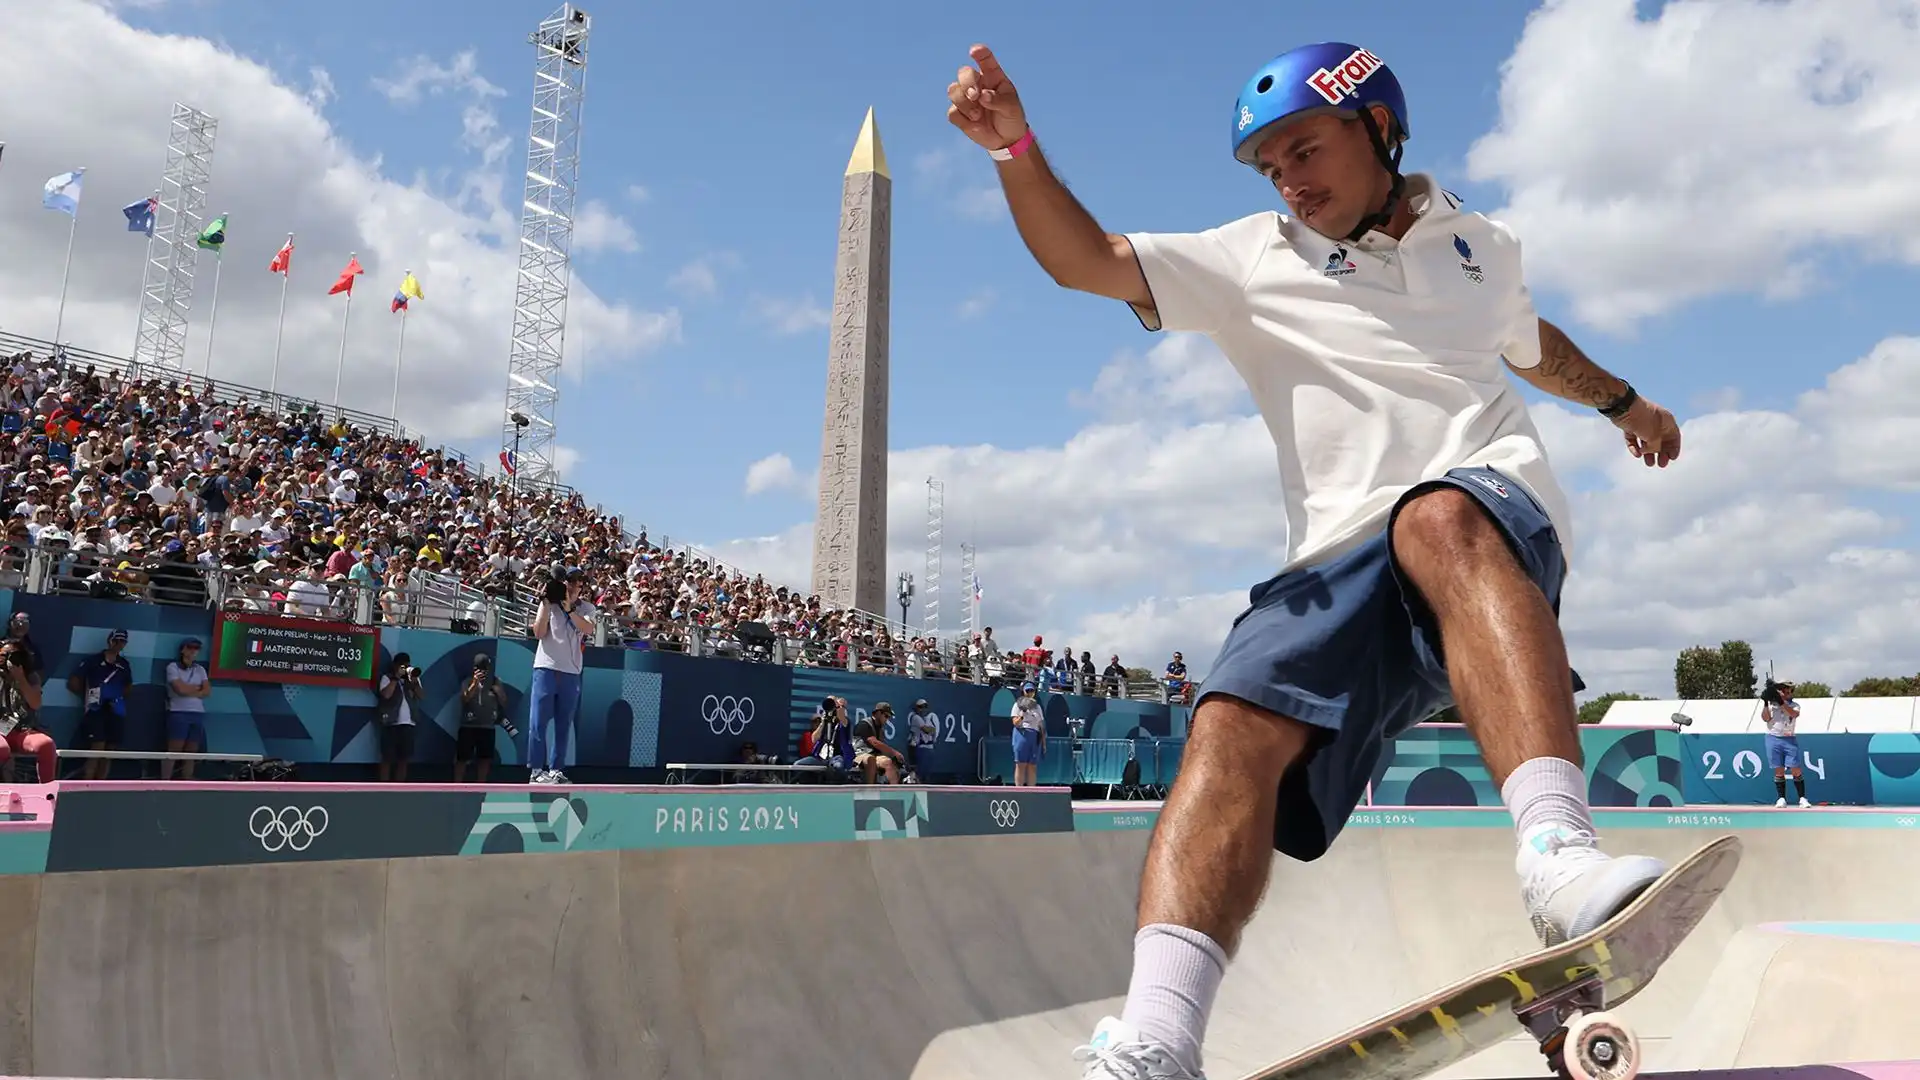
<point x="925" y="958"/>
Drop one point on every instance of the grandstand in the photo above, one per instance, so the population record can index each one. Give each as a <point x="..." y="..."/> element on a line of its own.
<point x="162" y="488"/>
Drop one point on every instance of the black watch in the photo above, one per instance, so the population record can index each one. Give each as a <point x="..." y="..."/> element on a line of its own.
<point x="1618" y="407"/>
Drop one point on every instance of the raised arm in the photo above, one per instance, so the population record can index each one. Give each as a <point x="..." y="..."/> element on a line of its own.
<point x="1064" y="239"/>
<point x="1566" y="372"/>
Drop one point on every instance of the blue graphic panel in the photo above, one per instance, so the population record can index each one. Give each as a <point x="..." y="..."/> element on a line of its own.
<point x="1733" y="770"/>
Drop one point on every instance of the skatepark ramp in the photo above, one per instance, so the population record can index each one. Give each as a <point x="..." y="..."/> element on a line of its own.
<point x="936" y="959"/>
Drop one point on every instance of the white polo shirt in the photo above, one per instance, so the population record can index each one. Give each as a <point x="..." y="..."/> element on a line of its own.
<point x="1375" y="364"/>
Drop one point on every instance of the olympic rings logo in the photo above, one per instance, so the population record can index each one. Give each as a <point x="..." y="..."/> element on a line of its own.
<point x="1006" y="812"/>
<point x="726" y="715"/>
<point x="290" y="828"/>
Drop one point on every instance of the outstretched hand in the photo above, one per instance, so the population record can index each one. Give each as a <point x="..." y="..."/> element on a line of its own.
<point x="1653" y="435"/>
<point x="982" y="102"/>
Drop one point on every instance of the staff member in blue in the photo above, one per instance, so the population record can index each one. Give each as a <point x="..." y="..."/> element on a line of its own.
<point x="101" y="682"/>
<point x="1029" y="737"/>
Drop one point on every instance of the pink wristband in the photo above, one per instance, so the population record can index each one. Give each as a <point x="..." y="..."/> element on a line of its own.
<point x="1019" y="147"/>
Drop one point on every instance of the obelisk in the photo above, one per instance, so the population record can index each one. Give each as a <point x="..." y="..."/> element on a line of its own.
<point x="850" y="531"/>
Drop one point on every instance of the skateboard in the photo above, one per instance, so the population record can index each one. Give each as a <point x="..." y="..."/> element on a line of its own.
<point x="1560" y="994"/>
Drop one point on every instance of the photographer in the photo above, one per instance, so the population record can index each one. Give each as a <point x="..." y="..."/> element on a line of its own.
<point x="483" y="707"/>
<point x="1782" y="713"/>
<point x="20" y="712"/>
<point x="560" y="642"/>
<point x="399" y="699"/>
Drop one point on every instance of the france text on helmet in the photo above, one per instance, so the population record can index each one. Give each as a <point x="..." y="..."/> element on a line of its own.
<point x="1343" y="80"/>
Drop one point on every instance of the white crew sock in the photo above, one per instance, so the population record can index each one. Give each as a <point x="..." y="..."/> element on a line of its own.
<point x="1176" y="974"/>
<point x="1547" y="791"/>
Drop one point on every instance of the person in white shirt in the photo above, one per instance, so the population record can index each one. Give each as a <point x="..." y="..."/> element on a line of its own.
<point x="1375" y="324"/>
<point x="1029" y="736"/>
<point x="1782" y="716"/>
<point x="923" y="733"/>
<point x="559" y="655"/>
<point x="187" y="690"/>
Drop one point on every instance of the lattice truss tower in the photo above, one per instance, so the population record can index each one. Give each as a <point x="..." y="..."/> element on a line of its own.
<point x="546" y="240"/>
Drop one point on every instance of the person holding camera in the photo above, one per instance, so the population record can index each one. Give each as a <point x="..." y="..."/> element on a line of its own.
<point x="483" y="707"/>
<point x="398" y="702"/>
<point x="559" y="654"/>
<point x="1783" y="741"/>
<point x="20" y="712"/>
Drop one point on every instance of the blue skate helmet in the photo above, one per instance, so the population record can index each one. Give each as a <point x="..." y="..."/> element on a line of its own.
<point x="1331" y="77"/>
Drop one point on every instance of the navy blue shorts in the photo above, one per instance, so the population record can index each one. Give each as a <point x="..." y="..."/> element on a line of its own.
<point x="1350" y="648"/>
<point x="1026" y="746"/>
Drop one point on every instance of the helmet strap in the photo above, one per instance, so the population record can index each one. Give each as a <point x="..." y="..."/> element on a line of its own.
<point x="1390" y="159"/>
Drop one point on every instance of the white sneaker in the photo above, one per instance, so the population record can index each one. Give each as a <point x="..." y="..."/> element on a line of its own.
<point x="540" y="776"/>
<point x="555" y="776"/>
<point x="1805" y="803"/>
<point x="1781" y="801"/>
<point x="1117" y="1052"/>
<point x="1570" y="886"/>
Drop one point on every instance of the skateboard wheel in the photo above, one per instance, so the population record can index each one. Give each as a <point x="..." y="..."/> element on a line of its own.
<point x="1599" y="1047"/>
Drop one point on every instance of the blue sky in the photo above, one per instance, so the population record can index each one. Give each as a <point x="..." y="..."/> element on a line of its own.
<point x="716" y="137"/>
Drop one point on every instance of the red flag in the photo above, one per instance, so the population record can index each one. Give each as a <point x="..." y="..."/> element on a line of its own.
<point x="282" y="260"/>
<point x="345" y="284"/>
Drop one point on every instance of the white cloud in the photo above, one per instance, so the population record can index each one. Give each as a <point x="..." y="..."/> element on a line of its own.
<point x="788" y="316"/>
<point x="422" y="76"/>
<point x="597" y="228"/>
<point x="637" y="193"/>
<point x="1744" y="136"/>
<point x="320" y="91"/>
<point x="701" y="277"/>
<point x="984" y="203"/>
<point x="775" y="472"/>
<point x="977" y="304"/>
<point x="279" y="166"/>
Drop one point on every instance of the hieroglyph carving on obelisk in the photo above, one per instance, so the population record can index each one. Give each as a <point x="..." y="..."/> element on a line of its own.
<point x="850" y="532"/>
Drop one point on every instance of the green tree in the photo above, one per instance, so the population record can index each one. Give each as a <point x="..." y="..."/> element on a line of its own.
<point x="1883" y="686"/>
<point x="1812" y="690"/>
<point x="1701" y="672"/>
<point x="1596" y="710"/>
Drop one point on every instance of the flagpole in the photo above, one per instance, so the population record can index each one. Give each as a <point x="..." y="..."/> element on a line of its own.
<point x="60" y="320"/>
<point x="279" y="329"/>
<point x="213" y="313"/>
<point x="140" y="310"/>
<point x="394" y="410"/>
<point x="341" y="368"/>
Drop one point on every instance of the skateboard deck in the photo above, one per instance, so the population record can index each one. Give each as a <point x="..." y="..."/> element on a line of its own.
<point x="1598" y="970"/>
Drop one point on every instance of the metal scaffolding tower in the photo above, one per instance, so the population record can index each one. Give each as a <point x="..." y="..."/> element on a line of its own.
<point x="973" y="593"/>
<point x="936" y="502"/>
<point x="166" y="284"/>
<point x="546" y="242"/>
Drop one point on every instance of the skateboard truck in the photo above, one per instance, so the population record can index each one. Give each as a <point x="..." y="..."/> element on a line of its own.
<point x="1581" y="1041"/>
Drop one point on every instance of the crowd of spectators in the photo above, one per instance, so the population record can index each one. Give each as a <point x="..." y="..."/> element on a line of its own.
<point x="159" y="489"/>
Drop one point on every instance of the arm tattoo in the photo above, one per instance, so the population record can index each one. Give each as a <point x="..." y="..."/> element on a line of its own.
<point x="1566" y="372"/>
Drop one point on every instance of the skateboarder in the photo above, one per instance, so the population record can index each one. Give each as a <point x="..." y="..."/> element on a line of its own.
<point x="1374" y="323"/>
<point x="1783" y="744"/>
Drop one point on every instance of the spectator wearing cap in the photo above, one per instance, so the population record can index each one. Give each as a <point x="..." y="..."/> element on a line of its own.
<point x="870" y="750"/>
<point x="559" y="654"/>
<point x="187" y="690"/>
<point x="483" y="707"/>
<point x="101" y="682"/>
<point x="923" y="731"/>
<point x="1029" y="737"/>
